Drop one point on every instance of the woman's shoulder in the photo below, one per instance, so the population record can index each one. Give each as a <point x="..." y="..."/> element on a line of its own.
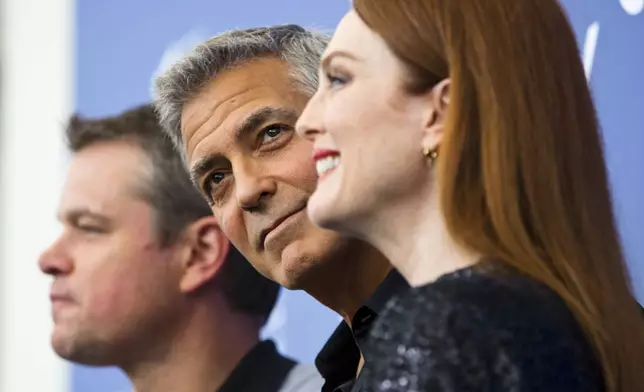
<point x="497" y="297"/>
<point x="488" y="326"/>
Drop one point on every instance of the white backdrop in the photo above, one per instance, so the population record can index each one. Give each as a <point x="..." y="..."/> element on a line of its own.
<point x="35" y="99"/>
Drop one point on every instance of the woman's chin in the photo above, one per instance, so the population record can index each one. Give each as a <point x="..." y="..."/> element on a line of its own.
<point x="324" y="211"/>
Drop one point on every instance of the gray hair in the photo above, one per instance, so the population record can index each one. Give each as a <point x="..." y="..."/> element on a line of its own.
<point x="300" y="48"/>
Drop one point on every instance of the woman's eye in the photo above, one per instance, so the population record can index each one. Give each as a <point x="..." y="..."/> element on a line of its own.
<point x="335" y="81"/>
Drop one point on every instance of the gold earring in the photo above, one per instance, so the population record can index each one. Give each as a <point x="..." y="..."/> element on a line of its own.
<point x="430" y="153"/>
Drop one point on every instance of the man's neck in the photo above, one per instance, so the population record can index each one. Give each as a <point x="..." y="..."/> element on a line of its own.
<point x="200" y="358"/>
<point x="356" y="275"/>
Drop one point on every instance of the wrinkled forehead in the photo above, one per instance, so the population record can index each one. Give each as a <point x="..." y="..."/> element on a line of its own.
<point x="228" y="101"/>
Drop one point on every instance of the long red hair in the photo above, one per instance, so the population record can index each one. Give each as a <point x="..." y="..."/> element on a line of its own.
<point x="521" y="168"/>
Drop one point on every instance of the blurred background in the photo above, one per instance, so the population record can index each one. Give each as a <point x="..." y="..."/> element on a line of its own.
<point x="98" y="57"/>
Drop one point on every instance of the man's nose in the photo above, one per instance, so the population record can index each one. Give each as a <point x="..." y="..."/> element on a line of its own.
<point x="253" y="185"/>
<point x="54" y="260"/>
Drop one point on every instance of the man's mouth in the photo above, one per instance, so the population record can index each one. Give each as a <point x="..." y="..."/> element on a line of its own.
<point x="275" y="226"/>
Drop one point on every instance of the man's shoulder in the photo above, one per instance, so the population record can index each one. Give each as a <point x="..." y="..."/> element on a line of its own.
<point x="303" y="378"/>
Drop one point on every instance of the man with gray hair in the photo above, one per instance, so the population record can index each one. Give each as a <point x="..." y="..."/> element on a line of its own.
<point x="145" y="280"/>
<point x="230" y="107"/>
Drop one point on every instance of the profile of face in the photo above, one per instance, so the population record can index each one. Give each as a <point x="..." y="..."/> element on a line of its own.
<point x="256" y="173"/>
<point x="369" y="131"/>
<point x="113" y="283"/>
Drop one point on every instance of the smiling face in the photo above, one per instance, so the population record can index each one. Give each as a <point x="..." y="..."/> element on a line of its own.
<point x="368" y="131"/>
<point x="255" y="171"/>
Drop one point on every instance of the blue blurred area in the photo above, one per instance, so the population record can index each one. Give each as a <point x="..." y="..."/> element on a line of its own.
<point x="120" y="42"/>
<point x="617" y="82"/>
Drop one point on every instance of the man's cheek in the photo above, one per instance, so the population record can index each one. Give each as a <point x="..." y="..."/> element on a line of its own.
<point x="303" y="174"/>
<point x="233" y="228"/>
<point x="108" y="302"/>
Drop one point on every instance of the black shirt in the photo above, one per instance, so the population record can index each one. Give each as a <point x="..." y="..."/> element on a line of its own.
<point x="338" y="360"/>
<point x="263" y="369"/>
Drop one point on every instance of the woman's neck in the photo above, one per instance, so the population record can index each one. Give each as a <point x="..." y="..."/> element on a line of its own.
<point x="418" y="243"/>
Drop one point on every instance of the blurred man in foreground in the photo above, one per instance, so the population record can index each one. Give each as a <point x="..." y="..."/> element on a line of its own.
<point x="145" y="280"/>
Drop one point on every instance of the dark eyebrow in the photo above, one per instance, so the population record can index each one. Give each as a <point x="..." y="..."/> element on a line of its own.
<point x="202" y="167"/>
<point x="262" y="116"/>
<point x="324" y="64"/>
<point x="250" y="124"/>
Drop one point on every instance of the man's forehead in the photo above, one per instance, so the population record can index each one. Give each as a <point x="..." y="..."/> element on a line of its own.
<point x="263" y="76"/>
<point x="211" y="110"/>
<point x="78" y="197"/>
<point x="226" y="103"/>
<point x="93" y="199"/>
<point x="101" y="177"/>
<point x="76" y="206"/>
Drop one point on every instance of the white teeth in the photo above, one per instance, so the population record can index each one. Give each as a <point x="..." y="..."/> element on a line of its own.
<point x="327" y="164"/>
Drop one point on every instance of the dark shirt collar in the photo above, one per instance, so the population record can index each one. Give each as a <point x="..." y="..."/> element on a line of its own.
<point x="263" y="369"/>
<point x="393" y="284"/>
<point x="338" y="360"/>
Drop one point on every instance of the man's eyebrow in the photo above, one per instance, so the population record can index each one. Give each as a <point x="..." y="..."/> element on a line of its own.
<point x="250" y="124"/>
<point x="75" y="214"/>
<point x="261" y="117"/>
<point x="202" y="167"/>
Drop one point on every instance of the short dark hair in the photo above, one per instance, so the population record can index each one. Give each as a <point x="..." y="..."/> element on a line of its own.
<point x="176" y="202"/>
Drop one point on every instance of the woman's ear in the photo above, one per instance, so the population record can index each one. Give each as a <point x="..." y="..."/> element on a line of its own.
<point x="438" y="107"/>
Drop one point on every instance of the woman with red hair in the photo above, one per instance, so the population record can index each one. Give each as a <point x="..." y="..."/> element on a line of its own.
<point x="460" y="138"/>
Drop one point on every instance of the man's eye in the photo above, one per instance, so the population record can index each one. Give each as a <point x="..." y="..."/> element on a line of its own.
<point x="87" y="228"/>
<point x="271" y="133"/>
<point x="212" y="186"/>
<point x="216" y="178"/>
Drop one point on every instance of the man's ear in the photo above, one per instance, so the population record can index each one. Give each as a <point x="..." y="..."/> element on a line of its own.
<point x="434" y="121"/>
<point x="208" y="249"/>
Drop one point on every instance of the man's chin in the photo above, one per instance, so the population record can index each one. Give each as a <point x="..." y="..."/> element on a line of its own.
<point x="294" y="275"/>
<point x="299" y="268"/>
<point x="80" y="352"/>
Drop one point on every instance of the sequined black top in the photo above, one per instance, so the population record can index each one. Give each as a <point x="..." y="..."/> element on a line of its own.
<point x="479" y="329"/>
